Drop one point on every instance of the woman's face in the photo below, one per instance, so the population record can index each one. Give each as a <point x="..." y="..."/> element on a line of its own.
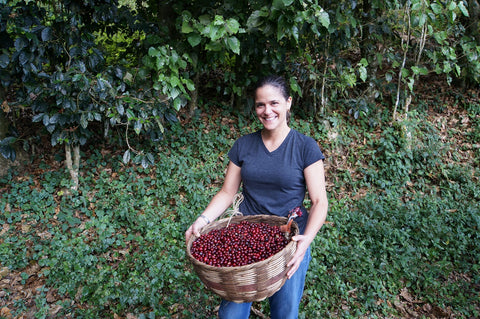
<point x="272" y="107"/>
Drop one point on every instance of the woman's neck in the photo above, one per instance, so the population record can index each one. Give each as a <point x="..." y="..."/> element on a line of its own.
<point x="273" y="139"/>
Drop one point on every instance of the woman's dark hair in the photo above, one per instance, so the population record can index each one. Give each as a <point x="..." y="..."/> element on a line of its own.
<point x="278" y="82"/>
<point x="275" y="81"/>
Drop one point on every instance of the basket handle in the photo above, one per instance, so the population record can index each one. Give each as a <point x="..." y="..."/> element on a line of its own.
<point x="237" y="200"/>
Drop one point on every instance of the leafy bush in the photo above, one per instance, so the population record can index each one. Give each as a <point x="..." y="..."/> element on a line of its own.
<point x="116" y="246"/>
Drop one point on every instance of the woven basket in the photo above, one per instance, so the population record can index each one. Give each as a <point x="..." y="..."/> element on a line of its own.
<point x="253" y="282"/>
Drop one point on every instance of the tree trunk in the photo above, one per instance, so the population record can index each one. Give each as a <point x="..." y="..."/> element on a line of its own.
<point x="473" y="28"/>
<point x="194" y="101"/>
<point x="4" y="124"/>
<point x="4" y="163"/>
<point x="73" y="164"/>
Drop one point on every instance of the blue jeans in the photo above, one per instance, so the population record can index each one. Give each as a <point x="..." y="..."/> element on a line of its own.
<point x="283" y="304"/>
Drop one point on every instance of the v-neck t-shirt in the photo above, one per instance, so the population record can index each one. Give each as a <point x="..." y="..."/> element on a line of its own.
<point x="273" y="182"/>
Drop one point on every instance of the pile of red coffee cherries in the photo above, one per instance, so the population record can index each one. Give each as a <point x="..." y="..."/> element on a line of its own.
<point x="238" y="244"/>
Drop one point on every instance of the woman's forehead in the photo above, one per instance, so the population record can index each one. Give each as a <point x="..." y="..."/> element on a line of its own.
<point x="268" y="92"/>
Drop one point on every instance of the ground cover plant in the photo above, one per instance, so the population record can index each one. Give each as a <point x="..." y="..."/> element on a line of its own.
<point x="401" y="239"/>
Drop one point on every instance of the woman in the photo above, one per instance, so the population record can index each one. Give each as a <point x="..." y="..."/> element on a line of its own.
<point x="275" y="166"/>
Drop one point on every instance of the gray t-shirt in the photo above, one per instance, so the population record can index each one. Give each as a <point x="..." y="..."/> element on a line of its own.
<point x="273" y="182"/>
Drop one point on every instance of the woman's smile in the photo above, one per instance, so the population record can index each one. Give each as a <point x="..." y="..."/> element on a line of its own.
<point x="271" y="107"/>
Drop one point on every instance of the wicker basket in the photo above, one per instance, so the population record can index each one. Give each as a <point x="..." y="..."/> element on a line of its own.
<point x="253" y="282"/>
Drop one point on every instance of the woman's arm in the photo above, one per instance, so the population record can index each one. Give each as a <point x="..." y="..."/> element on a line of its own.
<point x="220" y="202"/>
<point x="315" y="180"/>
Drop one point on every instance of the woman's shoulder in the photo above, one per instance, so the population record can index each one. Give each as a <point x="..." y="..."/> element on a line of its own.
<point x="308" y="146"/>
<point x="249" y="137"/>
<point x="304" y="138"/>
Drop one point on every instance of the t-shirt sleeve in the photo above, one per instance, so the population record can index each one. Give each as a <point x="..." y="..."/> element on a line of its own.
<point x="312" y="152"/>
<point x="234" y="154"/>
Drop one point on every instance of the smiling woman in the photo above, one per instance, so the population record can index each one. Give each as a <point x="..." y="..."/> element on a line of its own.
<point x="272" y="106"/>
<point x="275" y="166"/>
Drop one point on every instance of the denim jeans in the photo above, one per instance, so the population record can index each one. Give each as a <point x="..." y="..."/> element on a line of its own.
<point x="283" y="304"/>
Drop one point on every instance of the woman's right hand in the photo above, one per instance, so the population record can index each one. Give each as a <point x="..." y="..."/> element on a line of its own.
<point x="195" y="228"/>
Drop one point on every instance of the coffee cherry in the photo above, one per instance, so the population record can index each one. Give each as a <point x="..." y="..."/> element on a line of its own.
<point x="238" y="244"/>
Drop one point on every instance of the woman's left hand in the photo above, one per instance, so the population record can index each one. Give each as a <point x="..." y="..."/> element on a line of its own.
<point x="302" y="246"/>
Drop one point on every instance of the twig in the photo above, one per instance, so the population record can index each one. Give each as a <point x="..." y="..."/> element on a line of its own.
<point x="126" y="139"/>
<point x="405" y="50"/>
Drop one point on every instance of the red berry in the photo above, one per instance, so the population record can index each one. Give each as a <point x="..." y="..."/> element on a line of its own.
<point x="238" y="244"/>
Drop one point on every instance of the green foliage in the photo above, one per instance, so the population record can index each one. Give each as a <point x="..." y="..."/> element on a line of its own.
<point x="81" y="66"/>
<point x="117" y="244"/>
<point x="168" y="64"/>
<point x="56" y="67"/>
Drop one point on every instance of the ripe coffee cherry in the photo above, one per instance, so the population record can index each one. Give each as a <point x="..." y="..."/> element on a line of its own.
<point x="238" y="244"/>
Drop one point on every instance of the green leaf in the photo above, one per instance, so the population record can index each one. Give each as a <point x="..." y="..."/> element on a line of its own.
<point x="233" y="44"/>
<point x="452" y="5"/>
<point x="214" y="33"/>
<point x="128" y="77"/>
<point x="23" y="58"/>
<point x="4" y="61"/>
<point x="7" y="141"/>
<point x="130" y="115"/>
<point x="458" y="70"/>
<point x="419" y="70"/>
<point x="174" y="81"/>
<point x="194" y="39"/>
<point x="363" y="73"/>
<point x="295" y="33"/>
<point x="144" y="162"/>
<point x="160" y="126"/>
<point x="255" y="19"/>
<point x="463" y="9"/>
<point x="54" y="119"/>
<point x="422" y="19"/>
<point x="214" y="46"/>
<point x="280" y="4"/>
<point x="189" y="83"/>
<point x="150" y="158"/>
<point x="323" y="17"/>
<point x="177" y="104"/>
<point x="410" y="84"/>
<point x="46" y="120"/>
<point x="218" y="20"/>
<point x="436" y="8"/>
<point x="153" y="52"/>
<point x="46" y="34"/>
<point x="37" y="117"/>
<point x="83" y="121"/>
<point x="440" y="36"/>
<point x="120" y="109"/>
<point x="8" y="152"/>
<point x="186" y="28"/>
<point x="126" y="157"/>
<point x="232" y="26"/>
<point x="416" y="6"/>
<point x="77" y="77"/>
<point x="174" y="92"/>
<point x="204" y="19"/>
<point x="295" y="87"/>
<point x="20" y="43"/>
<point x="137" y="126"/>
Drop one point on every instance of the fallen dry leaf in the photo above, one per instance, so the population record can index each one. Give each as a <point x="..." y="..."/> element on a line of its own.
<point x="3" y="272"/>
<point x="6" y="313"/>
<point x="406" y="295"/>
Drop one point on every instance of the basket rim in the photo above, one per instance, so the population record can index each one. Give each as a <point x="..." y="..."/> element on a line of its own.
<point x="236" y="220"/>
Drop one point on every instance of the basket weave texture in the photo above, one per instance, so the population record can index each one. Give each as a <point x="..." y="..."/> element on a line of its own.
<point x="253" y="282"/>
